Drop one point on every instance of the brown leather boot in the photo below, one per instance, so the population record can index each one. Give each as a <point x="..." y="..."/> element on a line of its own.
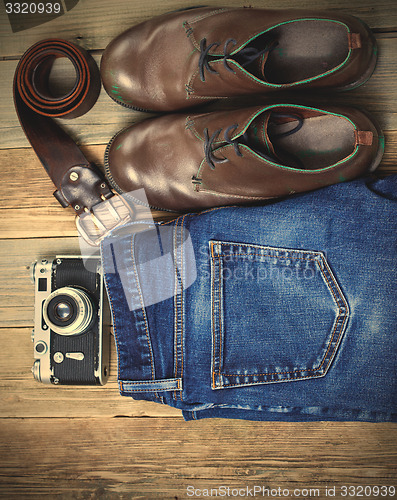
<point x="242" y="156"/>
<point x="185" y="58"/>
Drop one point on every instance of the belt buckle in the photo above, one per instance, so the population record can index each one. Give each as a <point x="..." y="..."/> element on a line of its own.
<point x="93" y="225"/>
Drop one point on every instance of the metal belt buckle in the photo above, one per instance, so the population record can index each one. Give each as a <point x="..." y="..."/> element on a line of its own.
<point x="93" y="225"/>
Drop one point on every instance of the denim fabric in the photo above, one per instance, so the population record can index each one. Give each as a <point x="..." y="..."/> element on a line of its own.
<point x="279" y="312"/>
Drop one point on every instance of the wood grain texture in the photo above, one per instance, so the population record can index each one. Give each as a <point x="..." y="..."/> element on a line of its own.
<point x="89" y="442"/>
<point x="158" y="458"/>
<point x="105" y="23"/>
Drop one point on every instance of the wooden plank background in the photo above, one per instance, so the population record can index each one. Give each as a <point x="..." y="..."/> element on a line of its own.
<point x="90" y="443"/>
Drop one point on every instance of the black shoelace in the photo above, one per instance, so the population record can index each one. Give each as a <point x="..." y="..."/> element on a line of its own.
<point x="246" y="55"/>
<point x="209" y="141"/>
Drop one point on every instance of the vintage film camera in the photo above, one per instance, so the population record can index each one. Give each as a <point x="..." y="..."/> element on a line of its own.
<point x="71" y="333"/>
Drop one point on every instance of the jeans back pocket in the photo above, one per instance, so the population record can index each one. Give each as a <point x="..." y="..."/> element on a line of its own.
<point x="277" y="314"/>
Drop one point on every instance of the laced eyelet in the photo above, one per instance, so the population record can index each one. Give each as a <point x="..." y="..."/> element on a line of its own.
<point x="248" y="54"/>
<point x="209" y="142"/>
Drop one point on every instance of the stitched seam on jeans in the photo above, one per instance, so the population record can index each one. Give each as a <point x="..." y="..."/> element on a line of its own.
<point x="142" y="382"/>
<point x="206" y="211"/>
<point x="114" y="331"/>
<point x="220" y="317"/>
<point x="194" y="215"/>
<point x="271" y="373"/>
<point x="275" y="381"/>
<point x="175" y="309"/>
<point x="329" y="286"/>
<point x="341" y="297"/>
<point x="143" y="309"/>
<point x="336" y="321"/>
<point x="252" y="245"/>
<point x="161" y="389"/>
<point x="182" y="295"/>
<point x="213" y="318"/>
<point x="179" y="291"/>
<point x="182" y="304"/>
<point x="178" y="308"/>
<point x="176" y="222"/>
<point x="155" y="391"/>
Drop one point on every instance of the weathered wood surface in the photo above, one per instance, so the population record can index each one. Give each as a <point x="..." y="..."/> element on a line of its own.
<point x="81" y="443"/>
<point x="160" y="457"/>
<point x="105" y="20"/>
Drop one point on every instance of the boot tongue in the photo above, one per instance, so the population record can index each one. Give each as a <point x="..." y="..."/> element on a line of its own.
<point x="257" y="66"/>
<point x="253" y="59"/>
<point x="262" y="134"/>
<point x="257" y="138"/>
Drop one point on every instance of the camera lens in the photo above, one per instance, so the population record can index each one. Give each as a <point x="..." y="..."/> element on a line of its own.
<point x="68" y="311"/>
<point x="63" y="311"/>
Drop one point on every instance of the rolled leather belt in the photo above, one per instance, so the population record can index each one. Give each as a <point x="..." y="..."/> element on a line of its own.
<point x="79" y="183"/>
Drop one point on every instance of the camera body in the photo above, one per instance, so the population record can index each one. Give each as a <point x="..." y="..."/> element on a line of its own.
<point x="71" y="336"/>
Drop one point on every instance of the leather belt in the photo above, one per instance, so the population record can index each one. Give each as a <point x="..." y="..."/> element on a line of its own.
<point x="79" y="183"/>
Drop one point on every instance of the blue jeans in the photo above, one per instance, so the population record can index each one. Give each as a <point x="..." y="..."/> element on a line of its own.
<point x="284" y="312"/>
